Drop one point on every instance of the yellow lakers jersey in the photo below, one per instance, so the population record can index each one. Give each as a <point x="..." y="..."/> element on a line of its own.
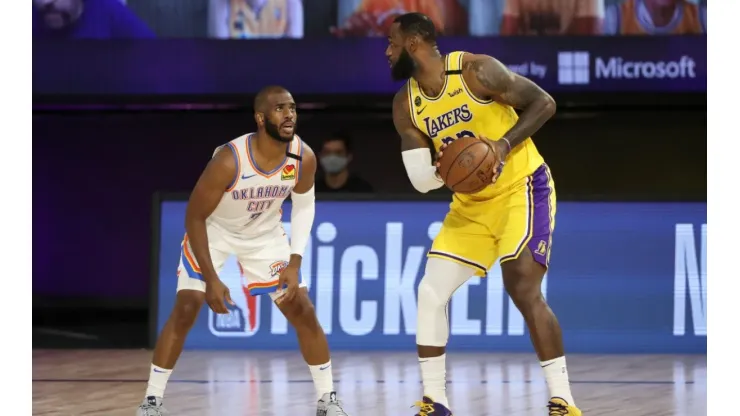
<point x="269" y="21"/>
<point x="455" y="112"/>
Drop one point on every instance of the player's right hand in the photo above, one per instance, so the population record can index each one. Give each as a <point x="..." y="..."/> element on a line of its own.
<point x="217" y="294"/>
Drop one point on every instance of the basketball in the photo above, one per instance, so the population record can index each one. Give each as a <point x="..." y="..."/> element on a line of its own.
<point x="467" y="165"/>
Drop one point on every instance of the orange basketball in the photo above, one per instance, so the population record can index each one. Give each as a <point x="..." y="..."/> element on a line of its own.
<point x="467" y="165"/>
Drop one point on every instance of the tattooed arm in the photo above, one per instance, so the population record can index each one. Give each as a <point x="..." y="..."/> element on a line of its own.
<point x="488" y="78"/>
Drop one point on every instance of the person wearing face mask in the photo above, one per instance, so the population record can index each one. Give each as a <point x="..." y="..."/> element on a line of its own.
<point x="335" y="156"/>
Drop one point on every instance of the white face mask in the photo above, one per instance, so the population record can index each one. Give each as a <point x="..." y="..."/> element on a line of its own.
<point x="333" y="163"/>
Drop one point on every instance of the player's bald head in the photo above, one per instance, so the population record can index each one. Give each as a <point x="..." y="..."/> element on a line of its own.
<point x="264" y="98"/>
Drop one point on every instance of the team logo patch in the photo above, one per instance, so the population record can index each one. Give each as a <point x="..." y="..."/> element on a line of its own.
<point x="288" y="173"/>
<point x="277" y="267"/>
<point x="541" y="248"/>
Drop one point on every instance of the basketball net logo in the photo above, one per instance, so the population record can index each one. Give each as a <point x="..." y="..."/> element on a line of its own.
<point x="243" y="319"/>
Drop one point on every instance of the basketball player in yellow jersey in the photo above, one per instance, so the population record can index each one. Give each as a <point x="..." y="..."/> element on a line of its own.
<point x="462" y="94"/>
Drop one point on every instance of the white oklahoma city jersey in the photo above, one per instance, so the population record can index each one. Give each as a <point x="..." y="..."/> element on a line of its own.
<point x="247" y="223"/>
<point x="251" y="206"/>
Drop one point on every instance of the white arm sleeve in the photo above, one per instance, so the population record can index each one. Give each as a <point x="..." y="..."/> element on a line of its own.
<point x="422" y="173"/>
<point x="302" y="213"/>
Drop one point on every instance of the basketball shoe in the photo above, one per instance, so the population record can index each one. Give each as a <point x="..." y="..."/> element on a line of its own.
<point x="151" y="406"/>
<point x="329" y="406"/>
<point x="428" y="407"/>
<point x="559" y="407"/>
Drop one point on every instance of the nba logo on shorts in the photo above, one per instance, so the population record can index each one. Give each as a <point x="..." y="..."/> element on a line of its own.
<point x="243" y="319"/>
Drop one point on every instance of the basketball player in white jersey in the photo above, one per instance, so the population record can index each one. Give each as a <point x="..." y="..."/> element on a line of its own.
<point x="235" y="210"/>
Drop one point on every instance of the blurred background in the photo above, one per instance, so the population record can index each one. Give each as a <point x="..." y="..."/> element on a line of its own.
<point x="131" y="97"/>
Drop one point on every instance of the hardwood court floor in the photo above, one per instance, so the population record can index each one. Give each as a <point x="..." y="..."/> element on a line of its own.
<point x="249" y="383"/>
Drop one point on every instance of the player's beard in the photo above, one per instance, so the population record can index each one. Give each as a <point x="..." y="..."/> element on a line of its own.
<point x="404" y="67"/>
<point x="273" y="130"/>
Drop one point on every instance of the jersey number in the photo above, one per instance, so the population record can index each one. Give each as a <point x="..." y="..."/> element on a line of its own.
<point x="465" y="133"/>
<point x="253" y="217"/>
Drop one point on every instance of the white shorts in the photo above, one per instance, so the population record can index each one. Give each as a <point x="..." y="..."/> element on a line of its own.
<point x="260" y="259"/>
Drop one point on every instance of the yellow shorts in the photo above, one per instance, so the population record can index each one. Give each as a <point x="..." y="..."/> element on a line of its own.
<point x="476" y="234"/>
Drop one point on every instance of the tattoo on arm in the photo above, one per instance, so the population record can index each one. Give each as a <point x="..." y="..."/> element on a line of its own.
<point x="489" y="78"/>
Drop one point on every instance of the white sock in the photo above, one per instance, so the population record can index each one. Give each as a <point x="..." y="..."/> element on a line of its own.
<point x="158" y="378"/>
<point x="556" y="375"/>
<point x="434" y="378"/>
<point x="322" y="378"/>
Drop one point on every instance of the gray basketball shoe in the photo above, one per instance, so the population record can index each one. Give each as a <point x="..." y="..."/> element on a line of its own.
<point x="151" y="406"/>
<point x="329" y="406"/>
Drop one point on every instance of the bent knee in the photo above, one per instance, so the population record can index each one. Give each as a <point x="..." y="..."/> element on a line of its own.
<point x="429" y="296"/>
<point x="300" y="312"/>
<point x="187" y="307"/>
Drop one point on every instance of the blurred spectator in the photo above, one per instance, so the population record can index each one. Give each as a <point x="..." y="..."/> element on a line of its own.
<point x="655" y="17"/>
<point x="374" y="17"/>
<point x="254" y="19"/>
<point x="335" y="157"/>
<point x="552" y="17"/>
<point x="88" y="19"/>
<point x="484" y="16"/>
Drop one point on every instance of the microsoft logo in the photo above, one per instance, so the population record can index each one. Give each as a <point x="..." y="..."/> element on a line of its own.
<point x="573" y="68"/>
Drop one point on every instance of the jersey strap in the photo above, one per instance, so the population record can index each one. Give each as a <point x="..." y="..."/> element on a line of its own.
<point x="298" y="158"/>
<point x="456" y="64"/>
<point x="237" y="162"/>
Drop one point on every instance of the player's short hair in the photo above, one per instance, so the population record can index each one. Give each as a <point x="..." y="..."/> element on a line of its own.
<point x="417" y="24"/>
<point x="339" y="136"/>
<point x="260" y="100"/>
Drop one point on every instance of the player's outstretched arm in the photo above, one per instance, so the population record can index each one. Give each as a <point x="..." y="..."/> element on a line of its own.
<point x="490" y="79"/>
<point x="303" y="209"/>
<point x="218" y="176"/>
<point x="416" y="149"/>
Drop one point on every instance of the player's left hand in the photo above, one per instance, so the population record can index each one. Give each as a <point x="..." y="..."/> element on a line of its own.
<point x="501" y="151"/>
<point x="288" y="282"/>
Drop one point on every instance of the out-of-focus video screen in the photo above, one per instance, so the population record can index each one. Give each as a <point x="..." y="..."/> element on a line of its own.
<point x="275" y="19"/>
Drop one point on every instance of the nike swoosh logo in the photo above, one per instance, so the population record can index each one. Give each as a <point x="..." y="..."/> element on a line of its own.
<point x="248" y="176"/>
<point x="421" y="110"/>
<point x="547" y="365"/>
<point x="159" y="371"/>
<point x="324" y="368"/>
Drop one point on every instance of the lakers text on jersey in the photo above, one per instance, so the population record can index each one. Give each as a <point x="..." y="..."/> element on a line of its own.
<point x="517" y="211"/>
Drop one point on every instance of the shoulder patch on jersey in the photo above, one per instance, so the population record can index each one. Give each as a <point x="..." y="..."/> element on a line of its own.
<point x="288" y="173"/>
